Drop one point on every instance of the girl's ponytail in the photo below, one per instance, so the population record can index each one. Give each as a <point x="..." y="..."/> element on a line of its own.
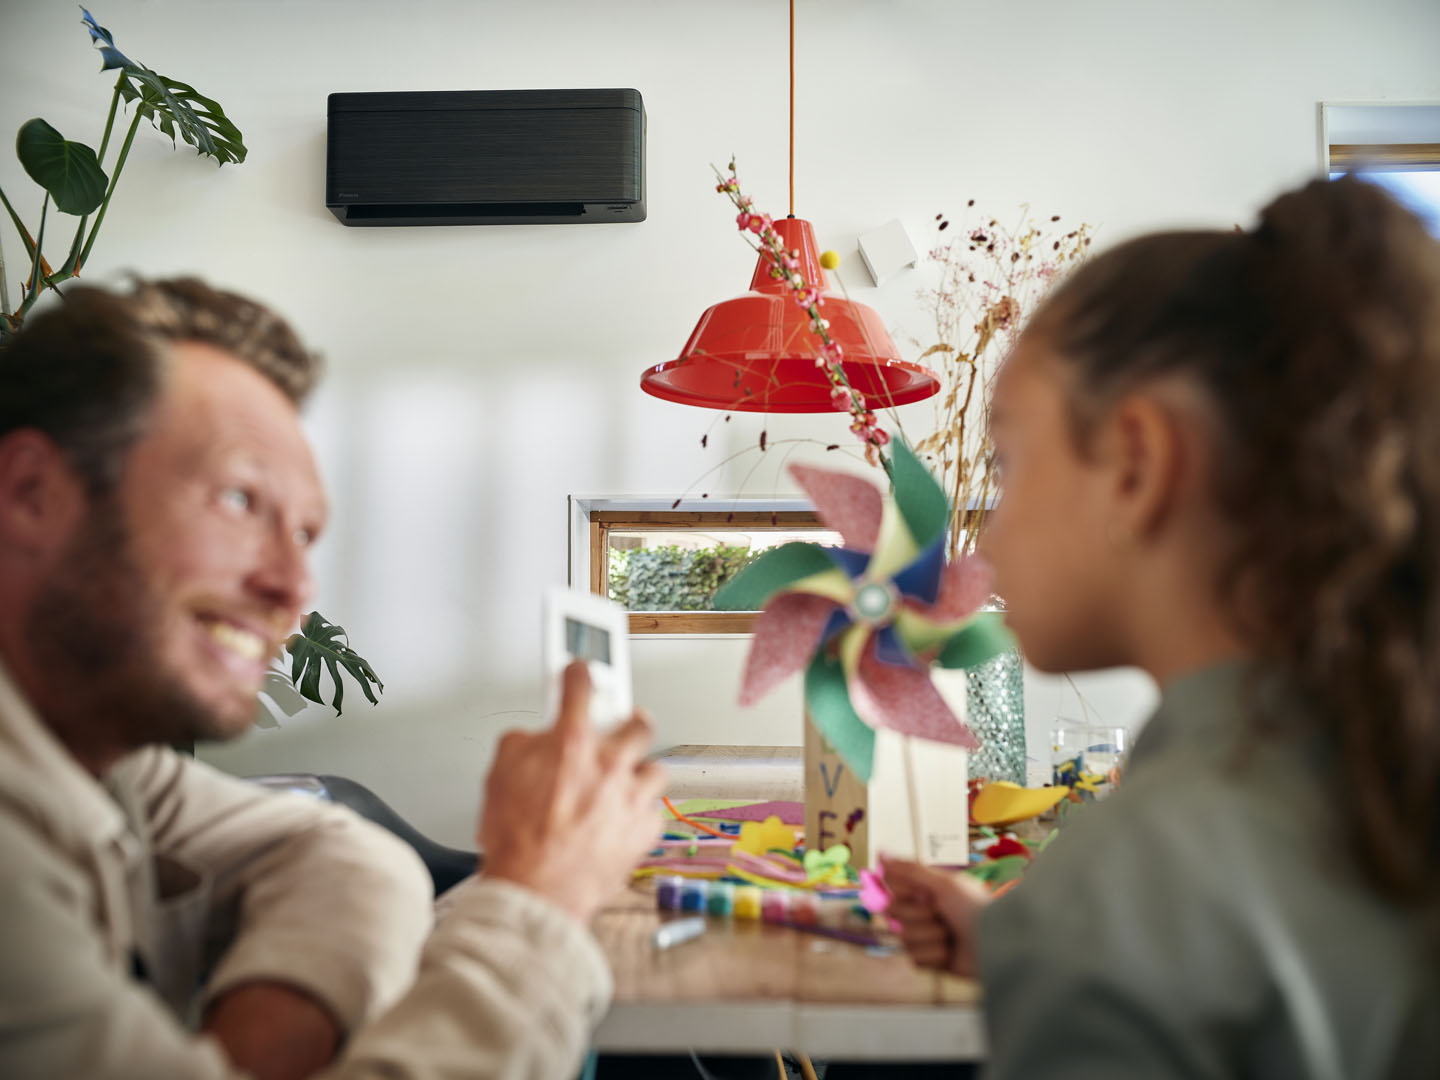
<point x="1317" y="340"/>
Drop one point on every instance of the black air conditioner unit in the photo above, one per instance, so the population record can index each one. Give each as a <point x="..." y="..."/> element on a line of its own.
<point x="486" y="157"/>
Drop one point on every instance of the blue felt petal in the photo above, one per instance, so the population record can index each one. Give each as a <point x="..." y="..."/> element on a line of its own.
<point x="852" y="562"/>
<point x="839" y="620"/>
<point x="921" y="579"/>
<point x="890" y="649"/>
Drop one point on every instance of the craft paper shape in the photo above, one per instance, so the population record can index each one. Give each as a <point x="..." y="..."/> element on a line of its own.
<point x="1004" y="803"/>
<point x="874" y="893"/>
<point x="791" y="813"/>
<point x="758" y="837"/>
<point x="829" y="865"/>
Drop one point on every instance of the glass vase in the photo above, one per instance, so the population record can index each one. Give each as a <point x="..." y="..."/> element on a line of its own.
<point x="995" y="712"/>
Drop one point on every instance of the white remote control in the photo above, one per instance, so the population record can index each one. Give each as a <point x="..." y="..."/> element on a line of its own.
<point x="583" y="626"/>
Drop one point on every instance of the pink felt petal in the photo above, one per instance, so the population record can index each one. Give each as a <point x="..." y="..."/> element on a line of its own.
<point x="874" y="894"/>
<point x="849" y="505"/>
<point x="904" y="699"/>
<point x="786" y="634"/>
<point x="964" y="587"/>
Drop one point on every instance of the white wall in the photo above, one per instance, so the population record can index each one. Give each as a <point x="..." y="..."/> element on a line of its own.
<point x="479" y="375"/>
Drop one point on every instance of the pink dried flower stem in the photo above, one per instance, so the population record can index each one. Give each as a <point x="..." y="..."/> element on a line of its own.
<point x="785" y="266"/>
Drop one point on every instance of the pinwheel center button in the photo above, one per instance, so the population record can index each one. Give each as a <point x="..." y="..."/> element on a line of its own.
<point x="873" y="602"/>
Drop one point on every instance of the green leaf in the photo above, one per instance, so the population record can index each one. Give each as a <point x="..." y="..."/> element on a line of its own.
<point x="170" y="104"/>
<point x="174" y="106"/>
<point x="334" y="669"/>
<point x="771" y="572"/>
<point x="69" y="171"/>
<point x="310" y="683"/>
<point x="921" y="500"/>
<point x="364" y="676"/>
<point x="827" y="699"/>
<point x="322" y="644"/>
<point x="982" y="638"/>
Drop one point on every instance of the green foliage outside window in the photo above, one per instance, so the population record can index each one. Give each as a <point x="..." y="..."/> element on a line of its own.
<point x="673" y="578"/>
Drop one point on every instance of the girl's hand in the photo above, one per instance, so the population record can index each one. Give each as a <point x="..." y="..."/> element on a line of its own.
<point x="937" y="912"/>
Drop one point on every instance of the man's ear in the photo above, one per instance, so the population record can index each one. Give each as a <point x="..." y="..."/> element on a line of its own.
<point x="41" y="496"/>
<point x="1146" y="447"/>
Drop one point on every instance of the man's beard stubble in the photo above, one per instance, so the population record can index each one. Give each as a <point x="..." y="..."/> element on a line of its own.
<point x="95" y="629"/>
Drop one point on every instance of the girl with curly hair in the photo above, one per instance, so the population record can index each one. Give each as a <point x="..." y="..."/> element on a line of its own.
<point x="1221" y="464"/>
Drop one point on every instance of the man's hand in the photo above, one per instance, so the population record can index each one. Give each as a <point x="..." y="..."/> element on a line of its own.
<point x="937" y="913"/>
<point x="274" y="1031"/>
<point x="568" y="813"/>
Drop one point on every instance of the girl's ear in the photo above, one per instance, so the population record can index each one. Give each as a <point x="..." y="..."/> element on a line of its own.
<point x="41" y="497"/>
<point x="1145" y="443"/>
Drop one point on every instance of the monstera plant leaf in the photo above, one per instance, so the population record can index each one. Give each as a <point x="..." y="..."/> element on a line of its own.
<point x="322" y="644"/>
<point x="170" y="105"/>
<point x="69" y="171"/>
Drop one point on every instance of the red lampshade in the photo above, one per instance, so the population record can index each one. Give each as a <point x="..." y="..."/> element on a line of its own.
<point x="756" y="353"/>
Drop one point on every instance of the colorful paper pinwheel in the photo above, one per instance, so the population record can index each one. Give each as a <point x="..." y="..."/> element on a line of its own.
<point x="869" y="619"/>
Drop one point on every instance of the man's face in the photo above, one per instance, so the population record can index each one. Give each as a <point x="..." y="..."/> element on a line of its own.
<point x="177" y="591"/>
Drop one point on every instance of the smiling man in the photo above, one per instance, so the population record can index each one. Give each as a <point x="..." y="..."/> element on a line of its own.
<point x="157" y="503"/>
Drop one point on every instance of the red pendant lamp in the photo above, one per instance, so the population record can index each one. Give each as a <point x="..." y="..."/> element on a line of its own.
<point x="756" y="353"/>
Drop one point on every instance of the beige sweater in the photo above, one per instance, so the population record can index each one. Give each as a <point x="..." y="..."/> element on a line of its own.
<point x="125" y="907"/>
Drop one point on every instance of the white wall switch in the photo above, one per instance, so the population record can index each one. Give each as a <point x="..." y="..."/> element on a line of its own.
<point x="887" y="250"/>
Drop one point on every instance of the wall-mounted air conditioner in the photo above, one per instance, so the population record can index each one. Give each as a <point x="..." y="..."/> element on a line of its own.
<point x="486" y="157"/>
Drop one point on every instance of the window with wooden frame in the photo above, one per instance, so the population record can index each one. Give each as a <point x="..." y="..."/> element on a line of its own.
<point x="1398" y="157"/>
<point x="1394" y="146"/>
<point x="665" y="565"/>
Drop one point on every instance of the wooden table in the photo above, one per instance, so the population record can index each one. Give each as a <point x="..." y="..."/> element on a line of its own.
<point x="750" y="988"/>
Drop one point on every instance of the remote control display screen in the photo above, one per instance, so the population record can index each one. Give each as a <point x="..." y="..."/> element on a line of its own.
<point x="586" y="642"/>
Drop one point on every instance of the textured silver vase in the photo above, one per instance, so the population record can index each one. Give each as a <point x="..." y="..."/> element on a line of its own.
<point x="995" y="712"/>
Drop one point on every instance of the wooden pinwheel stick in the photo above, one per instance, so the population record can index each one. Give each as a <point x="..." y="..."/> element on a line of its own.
<point x="918" y="835"/>
<point x="917" y="831"/>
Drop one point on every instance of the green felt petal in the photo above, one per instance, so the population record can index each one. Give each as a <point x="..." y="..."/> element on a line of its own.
<point x="895" y="549"/>
<point x="922" y="501"/>
<point x="983" y="638"/>
<point x="772" y="571"/>
<point x="828" y="702"/>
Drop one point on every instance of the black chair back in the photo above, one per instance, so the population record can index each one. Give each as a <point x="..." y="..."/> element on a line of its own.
<point x="448" y="866"/>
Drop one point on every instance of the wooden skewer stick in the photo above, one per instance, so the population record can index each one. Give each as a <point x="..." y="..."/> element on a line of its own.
<point x="917" y="834"/>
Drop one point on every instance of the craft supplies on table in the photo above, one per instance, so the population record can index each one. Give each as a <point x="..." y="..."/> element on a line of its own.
<point x="678" y="932"/>
<point x="838" y="915"/>
<point x="748" y="901"/>
<point x="693" y="895"/>
<point x="746" y="986"/>
<point x="720" y="898"/>
<point x="805" y="909"/>
<point x="774" y="905"/>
